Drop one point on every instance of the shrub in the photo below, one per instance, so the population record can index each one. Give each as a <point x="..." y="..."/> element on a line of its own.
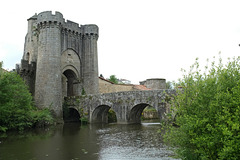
<point x="15" y="102"/>
<point x="16" y="108"/>
<point x="41" y="118"/>
<point x="208" y="113"/>
<point x="112" y="116"/>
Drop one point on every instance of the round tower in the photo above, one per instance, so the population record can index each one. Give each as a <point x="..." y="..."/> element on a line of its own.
<point x="48" y="86"/>
<point x="90" y="59"/>
<point x="155" y="83"/>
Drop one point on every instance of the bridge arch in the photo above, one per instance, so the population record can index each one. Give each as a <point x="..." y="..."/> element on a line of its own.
<point x="136" y="113"/>
<point x="71" y="115"/>
<point x="100" y="114"/>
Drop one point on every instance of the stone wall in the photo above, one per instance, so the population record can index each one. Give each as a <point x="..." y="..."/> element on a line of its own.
<point x="108" y="87"/>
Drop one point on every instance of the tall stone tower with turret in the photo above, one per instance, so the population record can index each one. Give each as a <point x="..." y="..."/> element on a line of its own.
<point x="60" y="59"/>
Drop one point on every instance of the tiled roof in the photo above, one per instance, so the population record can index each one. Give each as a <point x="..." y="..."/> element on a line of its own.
<point x="105" y="80"/>
<point x="141" y="87"/>
<point x="137" y="87"/>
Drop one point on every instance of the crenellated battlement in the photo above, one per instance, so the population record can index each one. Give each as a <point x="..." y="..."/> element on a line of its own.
<point x="49" y="24"/>
<point x="70" y="25"/>
<point x="47" y="19"/>
<point x="90" y="29"/>
<point x="48" y="16"/>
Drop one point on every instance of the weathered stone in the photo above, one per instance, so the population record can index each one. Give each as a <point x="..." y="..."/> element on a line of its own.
<point x="155" y="83"/>
<point x="60" y="59"/>
<point x="127" y="105"/>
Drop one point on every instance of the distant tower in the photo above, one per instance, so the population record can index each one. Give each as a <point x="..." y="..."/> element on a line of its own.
<point x="60" y="59"/>
<point x="155" y="83"/>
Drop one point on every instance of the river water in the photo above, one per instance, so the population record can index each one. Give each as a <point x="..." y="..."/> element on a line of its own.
<point x="88" y="142"/>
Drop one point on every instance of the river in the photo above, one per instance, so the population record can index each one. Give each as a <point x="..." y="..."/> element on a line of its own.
<point x="88" y="142"/>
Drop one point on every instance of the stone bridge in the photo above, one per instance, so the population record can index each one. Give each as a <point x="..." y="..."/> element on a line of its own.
<point x="128" y="105"/>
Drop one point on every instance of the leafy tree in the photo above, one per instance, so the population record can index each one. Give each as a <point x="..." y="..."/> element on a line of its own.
<point x="208" y="113"/>
<point x="16" y="108"/>
<point x="113" y="79"/>
<point x="169" y="85"/>
<point x="15" y="101"/>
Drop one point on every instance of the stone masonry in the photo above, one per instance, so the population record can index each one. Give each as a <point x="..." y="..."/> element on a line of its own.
<point x="60" y="59"/>
<point x="127" y="105"/>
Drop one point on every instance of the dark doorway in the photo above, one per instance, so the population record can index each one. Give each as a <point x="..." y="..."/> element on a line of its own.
<point x="71" y="82"/>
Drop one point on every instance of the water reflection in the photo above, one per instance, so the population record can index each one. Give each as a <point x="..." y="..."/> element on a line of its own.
<point x="90" y="142"/>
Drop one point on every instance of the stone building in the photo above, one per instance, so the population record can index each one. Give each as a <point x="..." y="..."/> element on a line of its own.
<point x="155" y="83"/>
<point x="60" y="59"/>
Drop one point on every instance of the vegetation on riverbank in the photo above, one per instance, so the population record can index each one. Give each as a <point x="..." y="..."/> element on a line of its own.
<point x="208" y="113"/>
<point x="149" y="113"/>
<point x="112" y="118"/>
<point x="16" y="105"/>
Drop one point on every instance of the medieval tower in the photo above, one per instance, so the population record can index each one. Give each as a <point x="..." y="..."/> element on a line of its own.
<point x="60" y="59"/>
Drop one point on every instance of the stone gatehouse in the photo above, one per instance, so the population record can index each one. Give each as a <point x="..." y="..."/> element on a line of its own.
<point x="60" y="59"/>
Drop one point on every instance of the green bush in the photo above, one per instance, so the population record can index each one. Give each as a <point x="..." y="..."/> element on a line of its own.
<point x="41" y="118"/>
<point x="16" y="108"/>
<point x="208" y="113"/>
<point x="112" y="116"/>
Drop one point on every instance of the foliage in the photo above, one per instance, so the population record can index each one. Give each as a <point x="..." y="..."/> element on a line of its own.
<point x="113" y="79"/>
<point x="84" y="120"/>
<point x="149" y="110"/>
<point x="169" y="85"/>
<point x="208" y="113"/>
<point x="112" y="116"/>
<point x="16" y="108"/>
<point x="83" y="92"/>
<point x="41" y="118"/>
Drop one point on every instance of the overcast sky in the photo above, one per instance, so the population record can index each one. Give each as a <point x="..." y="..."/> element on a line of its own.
<point x="138" y="39"/>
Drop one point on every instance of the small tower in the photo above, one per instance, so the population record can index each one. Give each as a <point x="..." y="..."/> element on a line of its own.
<point x="90" y="59"/>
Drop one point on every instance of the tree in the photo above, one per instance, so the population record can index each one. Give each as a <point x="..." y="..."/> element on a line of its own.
<point x="15" y="101"/>
<point x="113" y="79"/>
<point x="16" y="108"/>
<point x="208" y="113"/>
<point x="169" y="85"/>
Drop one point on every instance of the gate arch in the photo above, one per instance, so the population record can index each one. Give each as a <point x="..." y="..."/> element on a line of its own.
<point x="71" y="73"/>
<point x="70" y="83"/>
